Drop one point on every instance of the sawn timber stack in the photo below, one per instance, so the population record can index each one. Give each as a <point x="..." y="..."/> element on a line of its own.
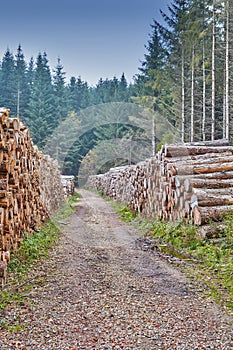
<point x="182" y="182"/>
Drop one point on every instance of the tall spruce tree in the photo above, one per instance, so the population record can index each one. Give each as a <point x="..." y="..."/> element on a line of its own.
<point x="79" y="94"/>
<point x="114" y="89"/>
<point x="30" y="77"/>
<point x="41" y="104"/>
<point x="8" y="85"/>
<point x="151" y="83"/>
<point x="30" y="73"/>
<point x="178" y="66"/>
<point x="22" y="83"/>
<point x="99" y="92"/>
<point x="154" y="61"/>
<point x="123" y="95"/>
<point x="72" y="95"/>
<point x="60" y="92"/>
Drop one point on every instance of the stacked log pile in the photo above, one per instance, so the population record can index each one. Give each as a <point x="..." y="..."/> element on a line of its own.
<point x="183" y="182"/>
<point x="30" y="183"/>
<point x="68" y="184"/>
<point x="50" y="184"/>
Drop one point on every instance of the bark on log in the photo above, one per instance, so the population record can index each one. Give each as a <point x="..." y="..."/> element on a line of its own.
<point x="212" y="231"/>
<point x="180" y="179"/>
<point x="197" y="161"/>
<point x="162" y="187"/>
<point x="202" y="169"/>
<point x="203" y="215"/>
<point x="207" y="199"/>
<point x="197" y="158"/>
<point x="207" y="183"/>
<point x="23" y="204"/>
<point x="175" y="151"/>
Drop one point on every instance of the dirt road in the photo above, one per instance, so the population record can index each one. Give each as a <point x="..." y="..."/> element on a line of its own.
<point x="102" y="291"/>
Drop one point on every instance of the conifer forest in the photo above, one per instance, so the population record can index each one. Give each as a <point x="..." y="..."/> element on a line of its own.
<point x="185" y="78"/>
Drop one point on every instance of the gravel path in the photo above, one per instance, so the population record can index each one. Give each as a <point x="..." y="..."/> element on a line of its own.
<point x="99" y="290"/>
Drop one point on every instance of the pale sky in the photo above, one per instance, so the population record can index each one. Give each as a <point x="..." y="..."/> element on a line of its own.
<point x="93" y="38"/>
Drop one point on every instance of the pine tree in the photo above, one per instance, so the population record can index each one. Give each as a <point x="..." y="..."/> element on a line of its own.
<point x="30" y="74"/>
<point x="72" y="95"/>
<point x="41" y="104"/>
<point x="123" y="95"/>
<point x="8" y="85"/>
<point x="60" y="92"/>
<point x="99" y="92"/>
<point x="103" y="91"/>
<point x="152" y="83"/>
<point x="22" y="84"/>
<point x="30" y="77"/>
<point x="79" y="94"/>
<point x="178" y="65"/>
<point x="83" y="96"/>
<point x="114" y="90"/>
<point x="153" y="64"/>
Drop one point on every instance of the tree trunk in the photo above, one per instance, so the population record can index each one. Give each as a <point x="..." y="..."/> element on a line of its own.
<point x="213" y="77"/>
<point x="194" y="182"/>
<point x="207" y="198"/>
<point x="182" y="101"/>
<point x="203" y="215"/>
<point x="153" y="136"/>
<point x="180" y="150"/>
<point x="210" y="231"/>
<point x="204" y="94"/>
<point x="226" y="131"/>
<point x="198" y="160"/>
<point x="192" y="96"/>
<point x="202" y="168"/>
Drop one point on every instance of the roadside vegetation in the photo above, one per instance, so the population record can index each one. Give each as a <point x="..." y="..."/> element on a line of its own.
<point x="209" y="261"/>
<point x="32" y="251"/>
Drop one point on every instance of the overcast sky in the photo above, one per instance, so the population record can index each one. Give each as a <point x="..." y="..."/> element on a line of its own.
<point x="93" y="38"/>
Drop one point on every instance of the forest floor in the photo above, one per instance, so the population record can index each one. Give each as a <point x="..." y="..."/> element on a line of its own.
<point x="100" y="289"/>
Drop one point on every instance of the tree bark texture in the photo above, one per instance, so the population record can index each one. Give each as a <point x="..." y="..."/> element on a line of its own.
<point x="183" y="182"/>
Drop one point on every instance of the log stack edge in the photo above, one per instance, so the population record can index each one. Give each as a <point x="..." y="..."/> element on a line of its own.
<point x="182" y="182"/>
<point x="30" y="183"/>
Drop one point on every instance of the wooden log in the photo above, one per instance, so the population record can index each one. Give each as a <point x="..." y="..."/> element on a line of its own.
<point x="207" y="199"/>
<point x="210" y="191"/>
<point x="180" y="150"/>
<point x="197" y="161"/>
<point x="169" y="195"/>
<point x="15" y="124"/>
<point x="20" y="193"/>
<point x="203" y="215"/>
<point x="196" y="158"/>
<point x="202" y="169"/>
<point x="178" y="180"/>
<point x="207" y="183"/>
<point x="212" y="231"/>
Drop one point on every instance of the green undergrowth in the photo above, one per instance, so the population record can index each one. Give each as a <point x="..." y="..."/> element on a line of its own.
<point x="209" y="261"/>
<point x="33" y="250"/>
<point x="126" y="214"/>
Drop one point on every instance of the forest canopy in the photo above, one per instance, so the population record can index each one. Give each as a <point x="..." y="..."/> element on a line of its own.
<point x="184" y="81"/>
